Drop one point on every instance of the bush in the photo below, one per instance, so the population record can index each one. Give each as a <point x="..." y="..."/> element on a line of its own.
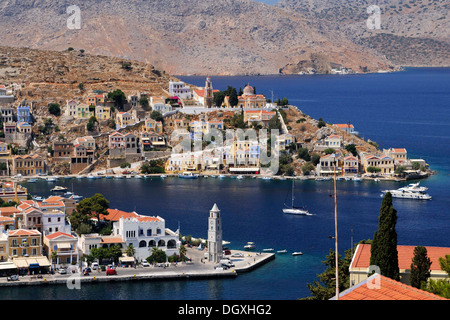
<point x="321" y="123"/>
<point x="303" y="153"/>
<point x="373" y="169"/>
<point x="54" y="109"/>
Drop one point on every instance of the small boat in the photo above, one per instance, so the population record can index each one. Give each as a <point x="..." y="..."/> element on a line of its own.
<point x="163" y="176"/>
<point x="118" y="176"/>
<point x="295" y="210"/>
<point x="91" y="177"/>
<point x="51" y="179"/>
<point x="32" y="180"/>
<point x="76" y="197"/>
<point x="268" y="250"/>
<point x="297" y="253"/>
<point x="282" y="251"/>
<point x="36" y="198"/>
<point x="109" y="177"/>
<point x="59" y="189"/>
<point x="240" y="177"/>
<point x="266" y="178"/>
<point x="188" y="175"/>
<point x="357" y="179"/>
<point x="249" y="246"/>
<point x="138" y="176"/>
<point x="221" y="176"/>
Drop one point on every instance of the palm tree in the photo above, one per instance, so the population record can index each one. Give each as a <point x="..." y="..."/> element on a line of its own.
<point x="183" y="252"/>
<point x="54" y="256"/>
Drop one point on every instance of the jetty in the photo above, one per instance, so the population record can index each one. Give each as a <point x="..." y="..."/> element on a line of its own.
<point x="196" y="268"/>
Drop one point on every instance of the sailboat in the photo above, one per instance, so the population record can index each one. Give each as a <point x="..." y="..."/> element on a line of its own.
<point x="295" y="210"/>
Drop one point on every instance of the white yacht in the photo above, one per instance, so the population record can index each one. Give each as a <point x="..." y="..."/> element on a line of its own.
<point x="249" y="246"/>
<point x="411" y="191"/>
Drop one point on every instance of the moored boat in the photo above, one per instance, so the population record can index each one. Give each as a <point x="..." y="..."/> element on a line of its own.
<point x="249" y="246"/>
<point x="188" y="175"/>
<point x="59" y="189"/>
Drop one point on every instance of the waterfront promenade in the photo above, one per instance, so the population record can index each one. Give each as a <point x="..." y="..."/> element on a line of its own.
<point x="194" y="269"/>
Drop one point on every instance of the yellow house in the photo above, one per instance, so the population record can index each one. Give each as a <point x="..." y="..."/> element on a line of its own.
<point x="151" y="125"/>
<point x="24" y="243"/>
<point x="248" y="100"/>
<point x="83" y="111"/>
<point x="124" y="119"/>
<point x="102" y="113"/>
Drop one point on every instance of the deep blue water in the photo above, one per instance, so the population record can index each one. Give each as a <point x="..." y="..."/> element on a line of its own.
<point x="408" y="109"/>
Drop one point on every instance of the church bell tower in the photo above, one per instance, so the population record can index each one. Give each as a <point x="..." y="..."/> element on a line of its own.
<point x="209" y="97"/>
<point x="214" y="235"/>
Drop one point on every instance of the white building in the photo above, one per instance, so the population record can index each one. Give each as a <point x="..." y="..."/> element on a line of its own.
<point x="71" y="108"/>
<point x="180" y="89"/>
<point x="54" y="221"/>
<point x="146" y="233"/>
<point x="214" y="235"/>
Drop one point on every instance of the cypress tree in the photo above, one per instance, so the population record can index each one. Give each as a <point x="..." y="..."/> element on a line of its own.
<point x="420" y="267"/>
<point x="384" y="246"/>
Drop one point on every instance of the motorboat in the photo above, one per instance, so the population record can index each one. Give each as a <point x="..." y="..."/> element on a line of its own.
<point x="268" y="250"/>
<point x="266" y="178"/>
<point x="249" y="246"/>
<point x="37" y="198"/>
<point x="240" y="177"/>
<point x="118" y="176"/>
<point x="51" y="179"/>
<point x="295" y="210"/>
<point x="282" y="251"/>
<point x="297" y="253"/>
<point x="188" y="175"/>
<point x="32" y="180"/>
<point x="59" y="189"/>
<point x="411" y="191"/>
<point x="221" y="176"/>
<point x="163" y="176"/>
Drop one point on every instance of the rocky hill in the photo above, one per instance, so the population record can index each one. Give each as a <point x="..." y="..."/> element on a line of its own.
<point x="187" y="37"/>
<point x="412" y="33"/>
<point x="54" y="76"/>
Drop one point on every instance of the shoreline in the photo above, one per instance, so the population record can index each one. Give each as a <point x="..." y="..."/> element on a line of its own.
<point x="195" y="270"/>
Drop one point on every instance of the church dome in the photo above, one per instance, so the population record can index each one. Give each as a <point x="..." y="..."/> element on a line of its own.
<point x="248" y="91"/>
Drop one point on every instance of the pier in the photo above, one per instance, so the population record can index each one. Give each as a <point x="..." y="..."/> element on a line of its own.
<point x="195" y="269"/>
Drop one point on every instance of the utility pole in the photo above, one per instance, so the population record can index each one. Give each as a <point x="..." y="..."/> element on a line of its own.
<point x="336" y="237"/>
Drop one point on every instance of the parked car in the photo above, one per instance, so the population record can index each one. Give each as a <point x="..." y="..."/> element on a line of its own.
<point x="145" y="263"/>
<point x="227" y="252"/>
<point x="110" y="272"/>
<point x="94" y="266"/>
<point x="62" y="271"/>
<point x="237" y="254"/>
<point x="13" y="277"/>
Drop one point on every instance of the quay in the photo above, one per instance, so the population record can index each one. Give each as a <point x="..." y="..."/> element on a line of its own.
<point x="197" y="268"/>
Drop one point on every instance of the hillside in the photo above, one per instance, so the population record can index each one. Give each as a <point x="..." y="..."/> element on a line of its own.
<point x="413" y="32"/>
<point x="224" y="37"/>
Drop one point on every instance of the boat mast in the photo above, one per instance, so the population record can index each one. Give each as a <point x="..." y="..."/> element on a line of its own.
<point x="292" y="193"/>
<point x="336" y="237"/>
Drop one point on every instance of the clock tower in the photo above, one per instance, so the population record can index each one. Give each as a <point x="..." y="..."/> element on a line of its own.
<point x="214" y="235"/>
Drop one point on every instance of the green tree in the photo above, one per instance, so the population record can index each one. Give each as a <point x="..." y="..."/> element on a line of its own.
<point x="157" y="256"/>
<point x="325" y="288"/>
<point x="218" y="97"/>
<point x="329" y="151"/>
<point x="118" y="97"/>
<point x="303" y="153"/>
<point x="440" y="287"/>
<point x="54" y="109"/>
<point x="114" y="252"/>
<point x="372" y="169"/>
<point x="130" y="250"/>
<point x="307" y="168"/>
<point x="383" y="252"/>
<point x="351" y="148"/>
<point x="156" y="115"/>
<point x="415" y="165"/>
<point x="321" y="123"/>
<point x="143" y="101"/>
<point x="420" y="267"/>
<point x="315" y="159"/>
<point x="93" y="207"/>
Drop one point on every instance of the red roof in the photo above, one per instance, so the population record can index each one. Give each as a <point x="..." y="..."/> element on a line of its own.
<point x="115" y="215"/>
<point x="361" y="258"/>
<point x="378" y="287"/>
<point x="343" y="125"/>
<point x="59" y="234"/>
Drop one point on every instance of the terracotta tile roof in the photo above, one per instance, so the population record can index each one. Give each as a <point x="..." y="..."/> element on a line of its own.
<point x="58" y="234"/>
<point x="6" y="219"/>
<point x="54" y="199"/>
<point x="23" y="232"/>
<point x="148" y="219"/>
<point x="112" y="239"/>
<point x="343" y="125"/>
<point x="361" y="258"/>
<point x="378" y="287"/>
<point x="398" y="149"/>
<point x="6" y="211"/>
<point x="115" y="215"/>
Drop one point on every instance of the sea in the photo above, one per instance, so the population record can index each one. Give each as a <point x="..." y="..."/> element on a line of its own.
<point x="408" y="109"/>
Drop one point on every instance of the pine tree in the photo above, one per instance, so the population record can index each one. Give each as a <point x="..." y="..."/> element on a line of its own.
<point x="384" y="246"/>
<point x="420" y="267"/>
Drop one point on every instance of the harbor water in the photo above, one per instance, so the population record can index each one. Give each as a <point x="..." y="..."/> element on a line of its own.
<point x="407" y="109"/>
